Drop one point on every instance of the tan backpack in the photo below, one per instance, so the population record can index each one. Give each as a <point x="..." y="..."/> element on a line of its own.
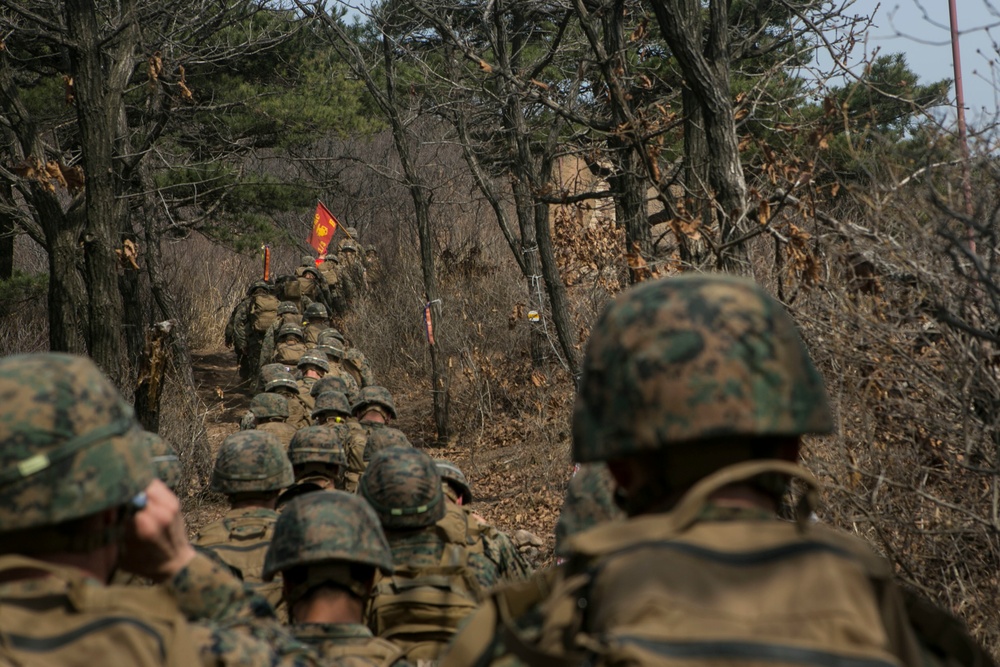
<point x="68" y="619"/>
<point x="668" y="589"/>
<point x="263" y="312"/>
<point x="420" y="609"/>
<point x="289" y="352"/>
<point x="242" y="542"/>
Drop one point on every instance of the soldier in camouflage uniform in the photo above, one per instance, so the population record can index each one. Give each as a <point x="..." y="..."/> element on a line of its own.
<point x="696" y="391"/>
<point x="166" y="465"/>
<point x="270" y="415"/>
<point x="497" y="546"/>
<point x="314" y="366"/>
<point x="317" y="321"/>
<point x="241" y="336"/>
<point x="290" y="346"/>
<point x="331" y="383"/>
<point x="352" y="268"/>
<point x="77" y="499"/>
<point x="340" y="368"/>
<point x="251" y="470"/>
<point x="327" y="547"/>
<point x="438" y="574"/>
<point x="340" y="291"/>
<point x="317" y="456"/>
<point x="373" y="409"/>
<point x="285" y="384"/>
<point x="288" y="313"/>
<point x="590" y="500"/>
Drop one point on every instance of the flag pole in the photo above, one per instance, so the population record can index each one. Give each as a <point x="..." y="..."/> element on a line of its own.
<point x="963" y="140"/>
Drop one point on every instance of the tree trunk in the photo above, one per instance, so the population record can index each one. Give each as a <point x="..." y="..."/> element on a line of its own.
<point x="706" y="71"/>
<point x="98" y="85"/>
<point x="67" y="291"/>
<point x="626" y="182"/>
<point x="694" y="251"/>
<point x="422" y="211"/>
<point x="8" y="228"/>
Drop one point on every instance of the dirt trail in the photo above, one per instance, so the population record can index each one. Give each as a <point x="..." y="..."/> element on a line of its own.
<point x="220" y="390"/>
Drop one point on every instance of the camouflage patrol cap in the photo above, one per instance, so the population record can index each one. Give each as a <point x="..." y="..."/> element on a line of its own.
<point x="328" y="383"/>
<point x="166" y="465"/>
<point x="313" y="358"/>
<point x="332" y="402"/>
<point x="319" y="444"/>
<point x="454" y="476"/>
<point x="251" y="462"/>
<point x="404" y="487"/>
<point x="690" y="358"/>
<point x="287" y="308"/>
<point x="324" y="526"/>
<point x="70" y="445"/>
<point x="589" y="501"/>
<point x="269" y="405"/>
<point x="383" y="437"/>
<point x="316" y="310"/>
<point x="290" y="330"/>
<point x="260" y="284"/>
<point x="374" y="395"/>
<point x="281" y="379"/>
<point x="326" y="335"/>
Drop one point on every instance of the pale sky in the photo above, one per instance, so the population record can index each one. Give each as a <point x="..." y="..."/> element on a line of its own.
<point x="920" y="29"/>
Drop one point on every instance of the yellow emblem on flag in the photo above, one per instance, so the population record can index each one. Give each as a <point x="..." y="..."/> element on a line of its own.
<point x="322" y="230"/>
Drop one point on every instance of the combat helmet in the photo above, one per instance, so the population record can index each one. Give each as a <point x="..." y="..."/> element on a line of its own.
<point x="694" y="358"/>
<point x="251" y="462"/>
<point x="289" y="330"/>
<point x="316" y="310"/>
<point x="328" y="352"/>
<point x="166" y="465"/>
<point x="374" y="395"/>
<point x="348" y="245"/>
<point x="328" y="383"/>
<point x="319" y="444"/>
<point x="589" y="501"/>
<point x="313" y="358"/>
<point x="281" y="379"/>
<point x="383" y="437"/>
<point x="269" y="406"/>
<point x="322" y="528"/>
<point x="71" y="446"/>
<point x="287" y="308"/>
<point x="259" y="284"/>
<point x="326" y="335"/>
<point x="307" y="260"/>
<point x="404" y="487"/>
<point x="455" y="478"/>
<point x="313" y="270"/>
<point x="352" y="232"/>
<point x="334" y="402"/>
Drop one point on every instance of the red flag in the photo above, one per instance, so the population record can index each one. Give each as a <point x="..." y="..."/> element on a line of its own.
<point x="323" y="229"/>
<point x="428" y="324"/>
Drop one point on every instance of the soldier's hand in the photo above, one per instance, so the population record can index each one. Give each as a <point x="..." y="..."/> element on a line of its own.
<point x="156" y="543"/>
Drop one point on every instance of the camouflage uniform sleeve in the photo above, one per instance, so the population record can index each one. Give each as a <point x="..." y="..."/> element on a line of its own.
<point x="240" y="317"/>
<point x="267" y="346"/>
<point x="232" y="624"/>
<point x="510" y="563"/>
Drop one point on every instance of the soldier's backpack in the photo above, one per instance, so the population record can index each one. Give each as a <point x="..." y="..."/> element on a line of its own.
<point x="669" y="589"/>
<point x="242" y="543"/>
<point x="420" y="609"/>
<point x="263" y="312"/>
<point x="288" y="288"/>
<point x="289" y="352"/>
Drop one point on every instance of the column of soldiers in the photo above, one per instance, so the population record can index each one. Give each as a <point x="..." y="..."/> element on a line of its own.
<point x="276" y="322"/>
<point x="694" y="397"/>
